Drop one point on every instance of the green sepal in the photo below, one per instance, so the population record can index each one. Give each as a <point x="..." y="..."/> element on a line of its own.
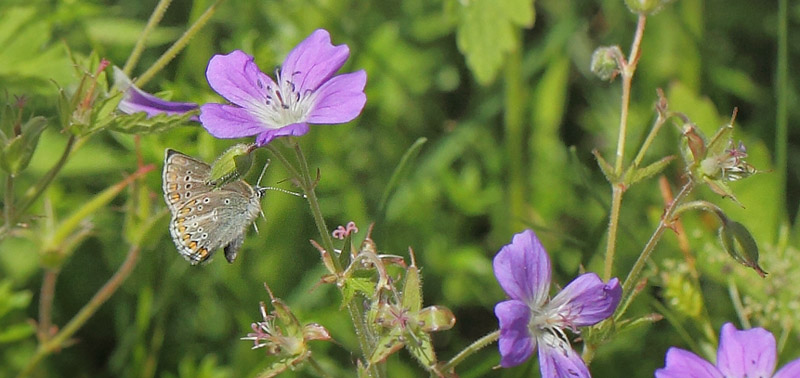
<point x="280" y="365"/>
<point x="234" y="163"/>
<point x="720" y="141"/>
<point x="720" y="187"/>
<point x="740" y="244"/>
<point x="419" y="344"/>
<point x="387" y="345"/>
<point x="138" y="123"/>
<point x="17" y="152"/>
<point x="412" y="294"/>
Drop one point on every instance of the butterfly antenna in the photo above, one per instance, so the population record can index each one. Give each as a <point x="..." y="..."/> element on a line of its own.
<point x="263" y="170"/>
<point x="284" y="191"/>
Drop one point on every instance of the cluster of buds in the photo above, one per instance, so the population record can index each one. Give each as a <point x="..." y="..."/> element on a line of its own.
<point x="282" y="336"/>
<point x="395" y="317"/>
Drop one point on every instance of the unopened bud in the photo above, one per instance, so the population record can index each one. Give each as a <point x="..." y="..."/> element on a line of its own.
<point x="646" y="6"/>
<point x="605" y="62"/>
<point x="231" y="165"/>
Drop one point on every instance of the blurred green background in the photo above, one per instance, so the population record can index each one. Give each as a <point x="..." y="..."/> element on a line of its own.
<point x="511" y="114"/>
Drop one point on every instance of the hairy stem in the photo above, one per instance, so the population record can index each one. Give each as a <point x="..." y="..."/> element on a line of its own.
<point x="636" y="271"/>
<point x="46" y="303"/>
<point x="627" y="71"/>
<point x="176" y="47"/>
<point x="136" y="53"/>
<point x="85" y="313"/>
<point x="471" y="349"/>
<point x="8" y="206"/>
<point x="782" y="116"/>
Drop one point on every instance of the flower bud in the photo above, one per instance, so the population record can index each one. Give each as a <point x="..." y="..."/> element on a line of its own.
<point x="231" y="165"/>
<point x="605" y="62"/>
<point x="646" y="6"/>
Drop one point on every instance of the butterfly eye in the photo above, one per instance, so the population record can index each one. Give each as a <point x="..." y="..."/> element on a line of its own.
<point x="227" y="201"/>
<point x="206" y="200"/>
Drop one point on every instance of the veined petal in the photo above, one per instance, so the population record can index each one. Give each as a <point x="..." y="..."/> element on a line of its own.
<point x="523" y="269"/>
<point x="557" y="359"/>
<point x="135" y="100"/>
<point x="228" y="121"/>
<point x="749" y="353"/>
<point x="340" y="99"/>
<point x="516" y="343"/>
<point x="236" y="77"/>
<point x="790" y="370"/>
<point x="684" y="364"/>
<point x="295" y="129"/>
<point x="313" y="61"/>
<point x="586" y="300"/>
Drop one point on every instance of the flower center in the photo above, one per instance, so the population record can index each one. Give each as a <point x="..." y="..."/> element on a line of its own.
<point x="284" y="104"/>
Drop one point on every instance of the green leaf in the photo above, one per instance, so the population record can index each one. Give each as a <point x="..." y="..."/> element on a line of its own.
<point x="402" y="170"/>
<point x="353" y="285"/>
<point x="138" y="123"/>
<point x="16" y="332"/>
<point x="635" y="175"/>
<point x="486" y="32"/>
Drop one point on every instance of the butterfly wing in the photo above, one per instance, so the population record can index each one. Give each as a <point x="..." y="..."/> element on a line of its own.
<point x="183" y="177"/>
<point x="211" y="221"/>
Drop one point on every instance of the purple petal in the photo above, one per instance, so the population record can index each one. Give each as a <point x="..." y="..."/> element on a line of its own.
<point x="236" y="77"/>
<point x="587" y="300"/>
<point x="228" y="121"/>
<point x="295" y="129"/>
<point x="791" y="370"/>
<point x="313" y="61"/>
<point x="684" y="364"/>
<point x="523" y="269"/>
<point x="748" y="353"/>
<point x="341" y="99"/>
<point x="516" y="343"/>
<point x="135" y="100"/>
<point x="558" y="360"/>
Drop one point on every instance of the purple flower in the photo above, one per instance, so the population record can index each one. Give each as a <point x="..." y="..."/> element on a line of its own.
<point x="530" y="318"/>
<point x="750" y="353"/>
<point x="305" y="92"/>
<point x="135" y="100"/>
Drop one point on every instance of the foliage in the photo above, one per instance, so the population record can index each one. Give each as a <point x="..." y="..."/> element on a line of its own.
<point x="510" y="113"/>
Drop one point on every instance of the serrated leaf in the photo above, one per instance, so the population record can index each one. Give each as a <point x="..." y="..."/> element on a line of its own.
<point x="486" y="32"/>
<point x="402" y="169"/>
<point x="635" y="175"/>
<point x="353" y="285"/>
<point x="138" y="123"/>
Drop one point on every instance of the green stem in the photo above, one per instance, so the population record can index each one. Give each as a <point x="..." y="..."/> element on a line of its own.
<point x="736" y="300"/>
<point x="513" y="116"/>
<point x="8" y="207"/>
<point x="317" y="367"/>
<point x="307" y="183"/>
<point x="660" y="120"/>
<point x="85" y="313"/>
<point x="178" y="45"/>
<point x="627" y="70"/>
<point x="782" y="116"/>
<point x="46" y="303"/>
<point x="136" y="53"/>
<point x="636" y="271"/>
<point x="470" y="350"/>
<point x="34" y="193"/>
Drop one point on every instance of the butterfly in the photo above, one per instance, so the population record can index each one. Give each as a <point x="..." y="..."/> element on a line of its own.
<point x="206" y="218"/>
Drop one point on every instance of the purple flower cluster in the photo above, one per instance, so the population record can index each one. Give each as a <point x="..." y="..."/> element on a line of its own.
<point x="305" y="91"/>
<point x="750" y="353"/>
<point x="530" y="318"/>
